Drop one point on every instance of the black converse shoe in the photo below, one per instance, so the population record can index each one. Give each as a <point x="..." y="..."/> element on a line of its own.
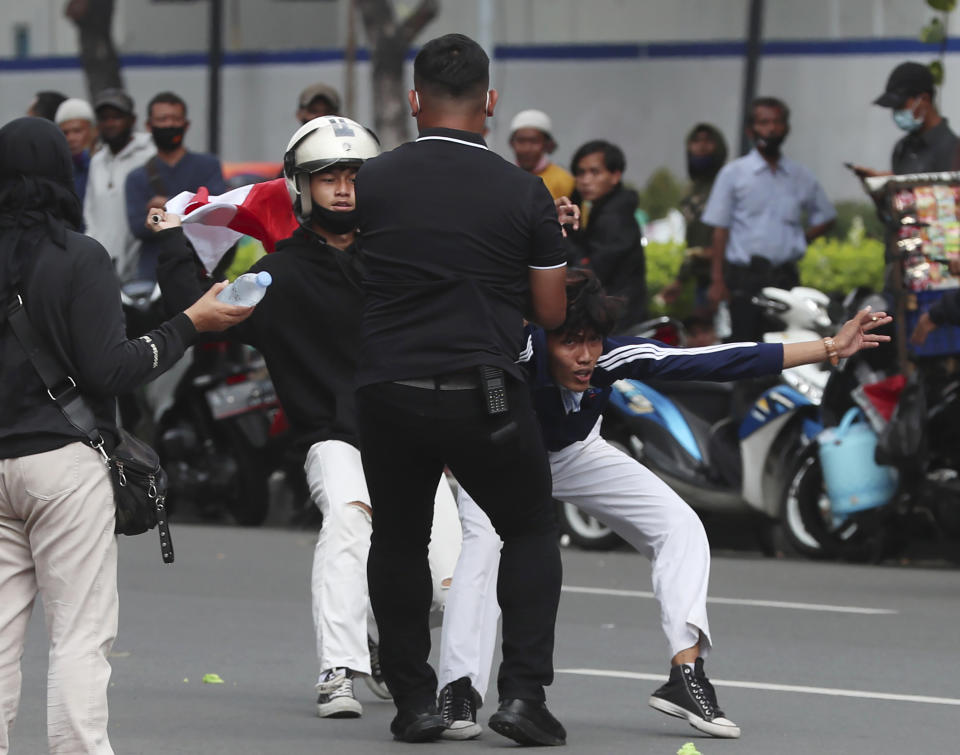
<point x="458" y="705"/>
<point x="689" y="694"/>
<point x="375" y="680"/>
<point x="336" y="698"/>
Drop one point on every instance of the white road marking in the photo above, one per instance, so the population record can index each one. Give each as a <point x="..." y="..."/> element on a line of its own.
<point x="831" y="692"/>
<point x="739" y="601"/>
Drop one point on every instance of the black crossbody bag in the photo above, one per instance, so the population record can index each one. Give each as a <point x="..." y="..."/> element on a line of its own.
<point x="139" y="482"/>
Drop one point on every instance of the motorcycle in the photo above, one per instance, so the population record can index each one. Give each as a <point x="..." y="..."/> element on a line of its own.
<point x="215" y="421"/>
<point x="920" y="446"/>
<point x="721" y="446"/>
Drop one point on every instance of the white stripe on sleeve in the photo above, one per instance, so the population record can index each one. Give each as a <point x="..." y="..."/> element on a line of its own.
<point x="633" y="352"/>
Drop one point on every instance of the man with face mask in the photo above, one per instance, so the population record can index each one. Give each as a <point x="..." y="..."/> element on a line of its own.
<point x="123" y="150"/>
<point x="757" y="208"/>
<point x="929" y="146"/>
<point x="706" y="154"/>
<point x="172" y="170"/>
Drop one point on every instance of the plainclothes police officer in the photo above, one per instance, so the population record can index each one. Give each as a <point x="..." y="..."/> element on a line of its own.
<point x="459" y="245"/>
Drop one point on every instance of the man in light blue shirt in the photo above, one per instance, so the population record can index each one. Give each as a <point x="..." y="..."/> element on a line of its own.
<point x="765" y="209"/>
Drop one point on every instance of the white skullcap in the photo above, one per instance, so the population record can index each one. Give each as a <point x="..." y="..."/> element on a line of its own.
<point x="74" y="108"/>
<point x="532" y="119"/>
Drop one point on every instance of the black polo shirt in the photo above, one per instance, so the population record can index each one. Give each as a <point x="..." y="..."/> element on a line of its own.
<point x="449" y="232"/>
<point x="930" y="152"/>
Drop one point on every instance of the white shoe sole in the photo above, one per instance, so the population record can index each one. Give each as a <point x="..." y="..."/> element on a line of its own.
<point x="462" y="730"/>
<point x="378" y="688"/>
<point x="714" y="730"/>
<point x="340" y="707"/>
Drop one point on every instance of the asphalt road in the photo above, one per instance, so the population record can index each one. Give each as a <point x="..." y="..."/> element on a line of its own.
<point x="809" y="657"/>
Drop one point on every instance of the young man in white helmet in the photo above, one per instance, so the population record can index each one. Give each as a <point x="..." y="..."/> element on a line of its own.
<point x="307" y="328"/>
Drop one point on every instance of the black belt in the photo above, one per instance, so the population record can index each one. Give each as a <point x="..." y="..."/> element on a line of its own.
<point x="453" y="381"/>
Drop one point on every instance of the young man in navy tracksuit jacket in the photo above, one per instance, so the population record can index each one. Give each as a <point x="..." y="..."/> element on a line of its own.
<point x="571" y="371"/>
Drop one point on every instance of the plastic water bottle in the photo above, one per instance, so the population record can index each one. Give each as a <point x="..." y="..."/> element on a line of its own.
<point x="247" y="290"/>
<point x="721" y="321"/>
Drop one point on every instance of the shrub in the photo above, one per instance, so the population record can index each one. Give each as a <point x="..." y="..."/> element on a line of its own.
<point x="831" y="265"/>
<point x="662" y="192"/>
<point x="836" y="266"/>
<point x="847" y="214"/>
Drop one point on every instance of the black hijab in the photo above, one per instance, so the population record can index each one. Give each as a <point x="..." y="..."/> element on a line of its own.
<point x="37" y="195"/>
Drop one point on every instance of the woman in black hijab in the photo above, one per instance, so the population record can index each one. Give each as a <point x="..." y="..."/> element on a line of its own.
<point x="56" y="501"/>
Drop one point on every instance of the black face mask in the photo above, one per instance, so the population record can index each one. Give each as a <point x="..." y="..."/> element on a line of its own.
<point x="120" y="141"/>
<point x="333" y="220"/>
<point x="769" y="146"/>
<point x="168" y="138"/>
<point x="702" y="166"/>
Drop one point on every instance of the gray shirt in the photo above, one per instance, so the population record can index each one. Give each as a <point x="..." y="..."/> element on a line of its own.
<point x="932" y="151"/>
<point x="765" y="210"/>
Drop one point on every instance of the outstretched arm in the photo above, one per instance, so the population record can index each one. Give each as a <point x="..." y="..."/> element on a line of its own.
<point x="643" y="359"/>
<point x="853" y="336"/>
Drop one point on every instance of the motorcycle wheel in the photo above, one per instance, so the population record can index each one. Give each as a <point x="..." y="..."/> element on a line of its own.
<point x="249" y="502"/>
<point x="808" y="523"/>
<point x="585" y="531"/>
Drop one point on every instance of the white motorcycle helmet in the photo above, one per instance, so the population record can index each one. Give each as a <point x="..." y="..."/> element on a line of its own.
<point x="318" y="144"/>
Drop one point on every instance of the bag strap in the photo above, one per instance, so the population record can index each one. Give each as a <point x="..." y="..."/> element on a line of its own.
<point x="157" y="184"/>
<point x="61" y="388"/>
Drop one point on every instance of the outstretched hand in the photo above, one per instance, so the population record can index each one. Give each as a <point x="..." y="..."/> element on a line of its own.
<point x="856" y="332"/>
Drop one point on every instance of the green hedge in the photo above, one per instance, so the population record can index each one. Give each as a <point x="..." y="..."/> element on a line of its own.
<point x="831" y="265"/>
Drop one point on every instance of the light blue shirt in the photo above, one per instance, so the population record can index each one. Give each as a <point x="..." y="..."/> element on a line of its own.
<point x="765" y="209"/>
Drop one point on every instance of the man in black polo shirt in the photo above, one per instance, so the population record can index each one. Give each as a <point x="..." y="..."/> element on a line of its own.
<point x="458" y="245"/>
<point x="929" y="145"/>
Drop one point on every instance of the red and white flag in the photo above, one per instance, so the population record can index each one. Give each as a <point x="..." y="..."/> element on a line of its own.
<point x="215" y="223"/>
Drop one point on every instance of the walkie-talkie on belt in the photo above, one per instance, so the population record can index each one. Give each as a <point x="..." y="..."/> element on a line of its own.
<point x="494" y="386"/>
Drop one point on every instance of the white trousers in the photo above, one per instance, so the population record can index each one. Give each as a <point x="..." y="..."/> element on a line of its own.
<point x="339" y="582"/>
<point x="56" y="539"/>
<point x="623" y="494"/>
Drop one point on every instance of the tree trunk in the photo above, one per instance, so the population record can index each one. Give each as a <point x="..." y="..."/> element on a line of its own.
<point x="389" y="42"/>
<point x="101" y="65"/>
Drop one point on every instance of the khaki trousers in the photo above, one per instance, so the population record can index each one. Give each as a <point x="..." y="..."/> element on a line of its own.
<point x="56" y="540"/>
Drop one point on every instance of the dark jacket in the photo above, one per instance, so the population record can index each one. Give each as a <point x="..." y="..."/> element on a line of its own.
<point x="946" y="310"/>
<point x="611" y="245"/>
<point x="71" y="294"/>
<point x="699" y="235"/>
<point x="307" y="326"/>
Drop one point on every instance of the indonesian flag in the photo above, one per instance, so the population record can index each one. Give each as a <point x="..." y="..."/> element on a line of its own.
<point x="215" y="223"/>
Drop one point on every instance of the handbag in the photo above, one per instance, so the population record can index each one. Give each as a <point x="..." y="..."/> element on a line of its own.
<point x="139" y="482"/>
<point x="903" y="442"/>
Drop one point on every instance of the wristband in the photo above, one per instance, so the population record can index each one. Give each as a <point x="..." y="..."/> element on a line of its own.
<point x="831" y="348"/>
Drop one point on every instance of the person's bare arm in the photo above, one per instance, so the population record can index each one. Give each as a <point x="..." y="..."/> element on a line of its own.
<point x="815" y="231"/>
<point x="548" y="297"/>
<point x="864" y="172"/>
<point x="718" y="250"/>
<point x="852" y="337"/>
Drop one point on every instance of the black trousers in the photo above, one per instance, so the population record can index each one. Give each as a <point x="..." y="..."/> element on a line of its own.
<point x="407" y="434"/>
<point x="744" y="282"/>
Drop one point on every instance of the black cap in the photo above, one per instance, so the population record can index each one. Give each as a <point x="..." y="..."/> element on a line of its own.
<point x="114" y="98"/>
<point x="906" y="80"/>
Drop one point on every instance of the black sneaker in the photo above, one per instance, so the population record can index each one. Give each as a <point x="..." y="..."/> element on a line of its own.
<point x="458" y="705"/>
<point x="528" y="722"/>
<point x="375" y="680"/>
<point x="689" y="694"/>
